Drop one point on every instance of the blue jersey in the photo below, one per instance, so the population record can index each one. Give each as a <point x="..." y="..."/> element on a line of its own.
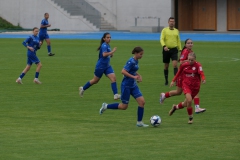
<point x="131" y="67"/>
<point x="32" y="41"/>
<point x="103" y="62"/>
<point x="44" y="29"/>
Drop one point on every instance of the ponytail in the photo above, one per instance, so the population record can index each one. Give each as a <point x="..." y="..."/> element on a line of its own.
<point x="102" y="40"/>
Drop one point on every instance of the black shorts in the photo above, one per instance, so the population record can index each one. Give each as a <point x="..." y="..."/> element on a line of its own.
<point x="171" y="54"/>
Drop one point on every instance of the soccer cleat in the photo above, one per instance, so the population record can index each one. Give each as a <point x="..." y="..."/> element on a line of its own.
<point x="116" y="96"/>
<point x="19" y="81"/>
<point x="190" y="121"/>
<point x="200" y="110"/>
<point x="172" y="110"/>
<point x="141" y="124"/>
<point x="51" y="54"/>
<point x="81" y="91"/>
<point x="103" y="108"/>
<point x="36" y="80"/>
<point x="162" y="98"/>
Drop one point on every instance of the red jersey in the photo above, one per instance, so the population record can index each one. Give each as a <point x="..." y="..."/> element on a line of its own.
<point x="191" y="74"/>
<point x="184" y="54"/>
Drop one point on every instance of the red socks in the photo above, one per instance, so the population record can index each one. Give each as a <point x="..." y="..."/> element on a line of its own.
<point x="167" y="95"/>
<point x="180" y="106"/>
<point x="190" y="111"/>
<point x="196" y="101"/>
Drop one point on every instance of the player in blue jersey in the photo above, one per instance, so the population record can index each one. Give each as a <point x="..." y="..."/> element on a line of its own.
<point x="129" y="87"/>
<point x="103" y="67"/>
<point x="32" y="43"/>
<point x="44" y="35"/>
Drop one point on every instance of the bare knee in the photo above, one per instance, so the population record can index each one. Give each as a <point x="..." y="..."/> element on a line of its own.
<point x="141" y="103"/>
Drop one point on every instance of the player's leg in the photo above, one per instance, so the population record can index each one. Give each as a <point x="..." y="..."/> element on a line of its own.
<point x="174" y="57"/>
<point x="39" y="66"/>
<point x="169" y="94"/>
<point x="166" y="61"/>
<point x="122" y="106"/>
<point x="97" y="76"/>
<point x="136" y="93"/>
<point x="111" y="75"/>
<point x="197" y="106"/>
<point x="189" y="107"/>
<point x="47" y="39"/>
<point x="24" y="72"/>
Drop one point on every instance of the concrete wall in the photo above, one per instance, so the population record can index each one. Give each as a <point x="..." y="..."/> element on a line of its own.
<point x="125" y="12"/>
<point x="221" y="15"/>
<point x="29" y="13"/>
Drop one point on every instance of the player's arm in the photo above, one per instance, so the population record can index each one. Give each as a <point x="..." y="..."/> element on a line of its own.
<point x="139" y="77"/>
<point x="200" y="71"/>
<point x="105" y="53"/>
<point x="162" y="38"/>
<point x="25" y="43"/>
<point x="179" y="42"/>
<point x="177" y="75"/>
<point x="44" y="25"/>
<point x="125" y="73"/>
<point x="183" y="56"/>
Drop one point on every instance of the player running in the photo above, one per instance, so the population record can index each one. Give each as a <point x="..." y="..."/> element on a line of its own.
<point x="129" y="87"/>
<point x="192" y="75"/>
<point x="43" y="35"/>
<point x="183" y="58"/>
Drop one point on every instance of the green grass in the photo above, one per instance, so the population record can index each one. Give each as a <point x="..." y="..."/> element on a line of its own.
<point x="4" y="24"/>
<point x="50" y="121"/>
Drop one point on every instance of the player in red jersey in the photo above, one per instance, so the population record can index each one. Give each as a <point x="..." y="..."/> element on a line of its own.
<point x="192" y="74"/>
<point x="183" y="58"/>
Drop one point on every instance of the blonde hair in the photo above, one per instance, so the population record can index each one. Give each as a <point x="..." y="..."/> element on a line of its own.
<point x="192" y="54"/>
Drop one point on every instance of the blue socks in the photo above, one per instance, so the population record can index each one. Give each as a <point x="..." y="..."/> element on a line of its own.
<point x="114" y="88"/>
<point x="36" y="74"/>
<point x="113" y="106"/>
<point x="49" y="49"/>
<point x="22" y="75"/>
<point x="140" y="113"/>
<point x="86" y="86"/>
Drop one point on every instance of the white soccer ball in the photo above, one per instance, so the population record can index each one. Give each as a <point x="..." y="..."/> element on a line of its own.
<point x="155" y="120"/>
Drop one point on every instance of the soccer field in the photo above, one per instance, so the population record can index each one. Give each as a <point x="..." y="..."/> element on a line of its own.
<point x="50" y="121"/>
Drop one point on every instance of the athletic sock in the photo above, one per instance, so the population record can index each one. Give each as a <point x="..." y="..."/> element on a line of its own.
<point x="196" y="102"/>
<point x="140" y="113"/>
<point x="166" y="75"/>
<point x="49" y="49"/>
<point x="167" y="95"/>
<point x="190" y="111"/>
<point x="180" y="106"/>
<point x="113" y="106"/>
<point x="175" y="71"/>
<point x="22" y="75"/>
<point x="114" y="88"/>
<point x="86" y="86"/>
<point x="36" y="74"/>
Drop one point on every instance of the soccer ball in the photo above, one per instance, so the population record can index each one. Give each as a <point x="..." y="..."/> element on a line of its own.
<point x="155" y="120"/>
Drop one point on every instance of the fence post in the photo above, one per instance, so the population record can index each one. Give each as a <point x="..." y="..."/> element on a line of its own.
<point x="158" y="25"/>
<point x="135" y="21"/>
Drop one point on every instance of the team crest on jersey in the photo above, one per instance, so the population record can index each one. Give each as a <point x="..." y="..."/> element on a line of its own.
<point x="182" y="57"/>
<point x="200" y="68"/>
<point x="193" y="68"/>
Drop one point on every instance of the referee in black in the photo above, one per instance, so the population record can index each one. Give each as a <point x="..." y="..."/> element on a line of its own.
<point x="170" y="41"/>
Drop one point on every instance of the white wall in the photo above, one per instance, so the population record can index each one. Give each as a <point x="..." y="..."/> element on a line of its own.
<point x="127" y="10"/>
<point x="29" y="13"/>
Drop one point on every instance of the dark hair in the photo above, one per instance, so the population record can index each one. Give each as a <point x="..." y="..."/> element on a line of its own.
<point x="102" y="40"/>
<point x="170" y="18"/>
<point x="45" y="14"/>
<point x="185" y="44"/>
<point x="137" y="50"/>
<point x="35" y="28"/>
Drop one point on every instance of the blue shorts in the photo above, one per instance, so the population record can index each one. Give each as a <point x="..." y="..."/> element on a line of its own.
<point x="126" y="92"/>
<point x="43" y="36"/>
<point x="99" y="72"/>
<point x="32" y="58"/>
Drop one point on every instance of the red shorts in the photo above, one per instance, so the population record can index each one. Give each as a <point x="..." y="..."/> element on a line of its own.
<point x="192" y="91"/>
<point x="179" y="82"/>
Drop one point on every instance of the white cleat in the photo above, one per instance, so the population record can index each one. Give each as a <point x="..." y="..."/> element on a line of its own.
<point x="81" y="91"/>
<point x="162" y="98"/>
<point x="103" y="108"/>
<point x="141" y="124"/>
<point x="36" y="80"/>
<point x="200" y="110"/>
<point x="19" y="81"/>
<point x="116" y="96"/>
